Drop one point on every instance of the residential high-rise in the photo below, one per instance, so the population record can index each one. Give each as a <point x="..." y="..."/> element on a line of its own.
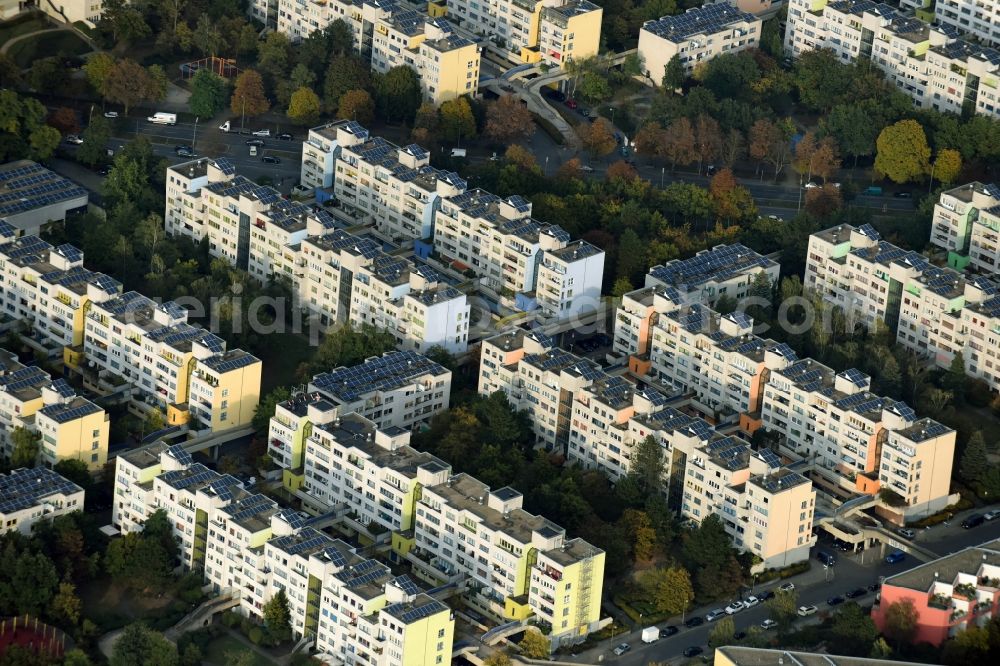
<point x="967" y="224"/>
<point x="28" y="496"/>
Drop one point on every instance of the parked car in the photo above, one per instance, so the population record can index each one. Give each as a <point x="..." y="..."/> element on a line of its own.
<point x="714" y="615"/>
<point x="975" y="520"/>
<point x="692" y="651"/>
<point x="285" y="136"/>
<point x="786" y="587"/>
<point x="895" y="556"/>
<point x="556" y="95"/>
<point x="855" y="593"/>
<point x="586" y="168"/>
<point x="906" y="533"/>
<point x="740" y="635"/>
<point x="181" y="151"/>
<point x="263" y="132"/>
<point x="805" y="611"/>
<point x="992" y="515"/>
<point x="110" y="114"/>
<point x="104" y="171"/>
<point x="842" y="546"/>
<point x="811" y="185"/>
<point x="765" y="595"/>
<point x="695" y="621"/>
<point x="710" y="170"/>
<point x="254" y="142"/>
<point x="768" y="624"/>
<point x="571" y="103"/>
<point x="826" y="558"/>
<point x="750" y="601"/>
<point x="74" y="139"/>
<point x="667" y="632"/>
<point x="903" y="195"/>
<point x="835" y="600"/>
<point x="622" y="649"/>
<point x="734" y="608"/>
<point x="270" y="159"/>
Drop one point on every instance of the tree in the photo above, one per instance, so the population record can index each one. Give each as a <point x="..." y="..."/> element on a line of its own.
<point x="357" y="105"/>
<point x="206" y="36"/>
<point x="47" y="75"/>
<point x="902" y="152"/>
<point x="266" y="407"/>
<point x="157" y="83"/>
<point x="674" y="74"/>
<point x="44" y="141"/>
<point x="456" y="119"/>
<point x="821" y="79"/>
<point x="621" y="287"/>
<point x="277" y="617"/>
<point x="74" y="470"/>
<point x="95" y="141"/>
<point x="66" y="605"/>
<point x="498" y="658"/>
<point x="680" y="145"/>
<point x="620" y="171"/>
<point x="901" y="622"/>
<point x="597" y="137"/>
<point x="733" y="203"/>
<point x="127" y="83"/>
<point x="947" y="166"/>
<point x="783" y="607"/>
<point x="10" y="72"/>
<point x="733" y="147"/>
<point x="723" y="633"/>
<point x="854" y="129"/>
<point x="346" y="72"/>
<point x="397" y="93"/>
<point x="274" y="56"/>
<point x="708" y="139"/>
<point x="520" y="156"/>
<point x="303" y="108"/>
<point x="248" y="96"/>
<point x="823" y="201"/>
<point x="975" y="462"/>
<point x="534" y="645"/>
<point x="971" y="646"/>
<point x="508" y="120"/>
<point x="25" y="447"/>
<point x="209" y="93"/>
<point x="64" y="120"/>
<point x="240" y="658"/>
<point x="594" y="88"/>
<point x="97" y="68"/>
<point x="854" y="630"/>
<point x="140" y="646"/>
<point x="670" y="589"/>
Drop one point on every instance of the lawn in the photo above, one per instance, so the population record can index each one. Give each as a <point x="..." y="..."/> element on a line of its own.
<point x="224" y="644"/>
<point x="59" y="43"/>
<point x="22" y="25"/>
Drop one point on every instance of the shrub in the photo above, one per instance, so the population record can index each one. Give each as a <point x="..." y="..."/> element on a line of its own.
<point x="231" y="618"/>
<point x="256" y="635"/>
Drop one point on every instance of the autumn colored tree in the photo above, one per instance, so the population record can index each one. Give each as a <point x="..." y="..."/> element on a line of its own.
<point x="456" y="119"/>
<point x="814" y="156"/>
<point x="304" y="106"/>
<point x="733" y="147"/>
<point x="127" y="83"/>
<point x="649" y="139"/>
<point x="708" y="139"/>
<point x="902" y="153"/>
<point x="570" y="169"/>
<point x="770" y="142"/>
<point x="357" y="105"/>
<point x="760" y="137"/>
<point x="64" y="120"/>
<point x="508" y="120"/>
<point x="733" y="202"/>
<point x="947" y="166"/>
<point x="598" y="137"/>
<point x="823" y="201"/>
<point x="621" y="171"/>
<point x="679" y="143"/>
<point x="248" y="96"/>
<point x="804" y="151"/>
<point x="520" y="156"/>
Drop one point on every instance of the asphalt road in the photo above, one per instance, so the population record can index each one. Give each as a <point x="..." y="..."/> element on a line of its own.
<point x="813" y="587"/>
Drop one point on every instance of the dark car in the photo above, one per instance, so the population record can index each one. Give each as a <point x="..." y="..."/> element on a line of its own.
<point x="556" y="95"/>
<point x="854" y="594"/>
<point x="695" y="621"/>
<point x="571" y="103"/>
<point x="285" y="136"/>
<point x="255" y="142"/>
<point x="184" y="151"/>
<point x="835" y="600"/>
<point x="692" y="651"/>
<point x="903" y="195"/>
<point x="270" y="159"/>
<point x="104" y="171"/>
<point x="765" y="595"/>
<point x="975" y="520"/>
<point x="740" y="635"/>
<point x="895" y="557"/>
<point x="667" y="632"/>
<point x="842" y="546"/>
<point x="874" y="587"/>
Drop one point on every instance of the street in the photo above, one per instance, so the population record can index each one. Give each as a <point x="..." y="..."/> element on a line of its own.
<point x="812" y="587"/>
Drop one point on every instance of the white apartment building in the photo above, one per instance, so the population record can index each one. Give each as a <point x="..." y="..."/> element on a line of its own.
<point x="696" y="36"/>
<point x="931" y="64"/>
<point x="391" y="34"/>
<point x="977" y="19"/>
<point x="28" y="496"/>
<point x="967" y="224"/>
<point x="729" y="271"/>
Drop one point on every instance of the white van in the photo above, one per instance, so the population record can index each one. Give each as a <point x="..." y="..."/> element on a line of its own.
<point x="253" y="151"/>
<point x="458" y="152"/>
<point x="160" y="118"/>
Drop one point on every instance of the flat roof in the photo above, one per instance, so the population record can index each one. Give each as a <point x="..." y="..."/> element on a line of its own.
<point x="26" y="186"/>
<point x="71" y="410"/>
<point x="391" y="371"/>
<point x="720" y="263"/>
<point x="706" y="20"/>
<point x="946" y="568"/>
<point x="747" y="656"/>
<point x="24" y="488"/>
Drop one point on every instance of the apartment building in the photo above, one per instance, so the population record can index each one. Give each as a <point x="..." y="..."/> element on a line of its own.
<point x="733" y="655"/>
<point x="353" y="608"/>
<point x="976" y="19"/>
<point x="930" y="63"/>
<point x="392" y="34"/>
<point x="397" y="391"/>
<point x="28" y="496"/>
<point x="34" y="196"/>
<point x="177" y="368"/>
<point x="729" y="271"/>
<point x="696" y="36"/>
<point x="70" y="427"/>
<point x="967" y="224"/>
<point x="950" y="594"/>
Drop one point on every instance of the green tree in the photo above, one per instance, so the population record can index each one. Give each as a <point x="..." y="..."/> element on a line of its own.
<point x="723" y="633"/>
<point x="674" y="74"/>
<point x="456" y="120"/>
<point x="277" y="617"/>
<point x="853" y="630"/>
<point x="880" y="649"/>
<point x="397" y="93"/>
<point x="95" y="141"/>
<point x="971" y="646"/>
<point x="266" y="407"/>
<point x="97" y="68"/>
<point x="346" y="72"/>
<point x="274" y="56"/>
<point x="631" y="256"/>
<point x="621" y="287"/>
<point x="902" y="152"/>
<point x="75" y="471"/>
<point x="248" y="96"/>
<point x="534" y="645"/>
<point x="854" y="129"/>
<point x="141" y="646"/>
<point x="975" y="462"/>
<point x="44" y="141"/>
<point x="821" y="79"/>
<point x="670" y="589"/>
<point x="594" y="88"/>
<point x="646" y="464"/>
<point x="66" y="605"/>
<point x="124" y="21"/>
<point x="47" y="75"/>
<point x="498" y="658"/>
<point x="209" y="94"/>
<point x="206" y="37"/>
<point x="303" y="108"/>
<point x="349" y="345"/>
<point x="76" y="657"/>
<point x="783" y="607"/>
<point x="25" y="447"/>
<point x="947" y="166"/>
<point x="901" y="622"/>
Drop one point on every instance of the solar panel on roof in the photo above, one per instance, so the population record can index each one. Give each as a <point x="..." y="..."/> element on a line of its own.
<point x="856" y="377"/>
<point x="421" y="612"/>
